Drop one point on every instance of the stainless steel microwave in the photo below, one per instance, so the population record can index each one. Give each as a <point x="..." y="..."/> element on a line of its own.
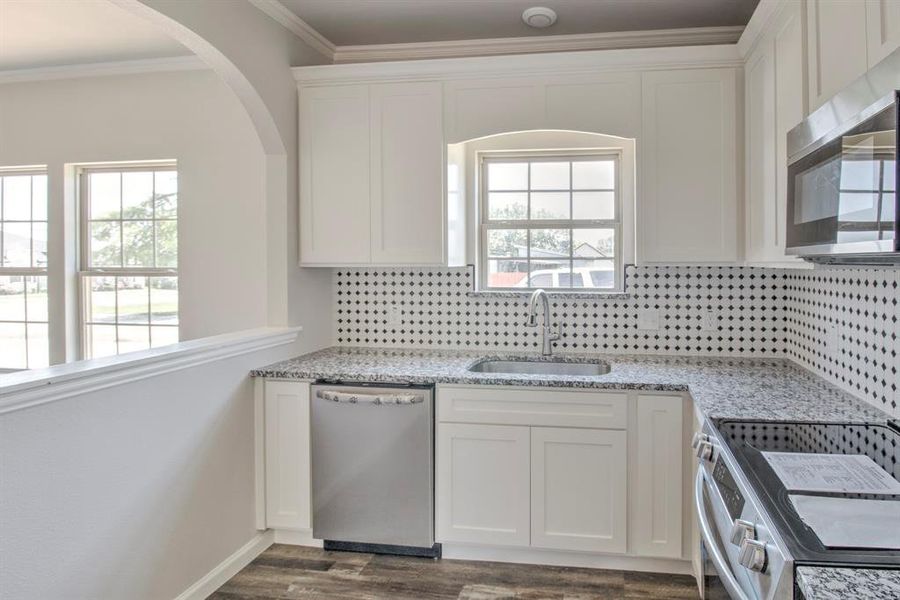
<point x="842" y="202"/>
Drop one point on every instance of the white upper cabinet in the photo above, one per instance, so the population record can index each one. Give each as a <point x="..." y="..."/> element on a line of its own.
<point x="836" y="46"/>
<point x="408" y="164"/>
<point x="487" y="107"/>
<point x="334" y="175"/>
<point x="773" y="104"/>
<point x="687" y="195"/>
<point x="883" y="28"/>
<point x="372" y="163"/>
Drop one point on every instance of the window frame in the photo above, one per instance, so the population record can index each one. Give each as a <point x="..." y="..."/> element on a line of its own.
<point x="486" y="224"/>
<point x="86" y="271"/>
<point x="31" y="271"/>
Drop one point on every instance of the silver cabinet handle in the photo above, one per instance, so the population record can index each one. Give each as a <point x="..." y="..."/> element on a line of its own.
<point x="715" y="554"/>
<point x="357" y="398"/>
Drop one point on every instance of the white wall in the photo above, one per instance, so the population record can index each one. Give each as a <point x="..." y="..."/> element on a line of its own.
<point x="236" y="35"/>
<point x="190" y="116"/>
<point x="131" y="492"/>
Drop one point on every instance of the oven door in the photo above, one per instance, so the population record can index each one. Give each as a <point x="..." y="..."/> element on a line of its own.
<point x="723" y="581"/>
<point x="841" y="197"/>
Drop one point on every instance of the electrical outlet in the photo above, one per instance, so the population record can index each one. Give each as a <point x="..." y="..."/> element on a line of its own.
<point x="832" y="339"/>
<point x="395" y="315"/>
<point x="710" y="321"/>
<point x="648" y="319"/>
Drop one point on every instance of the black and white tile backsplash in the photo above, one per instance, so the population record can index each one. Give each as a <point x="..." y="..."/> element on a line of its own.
<point x="754" y="312"/>
<point x="844" y="324"/>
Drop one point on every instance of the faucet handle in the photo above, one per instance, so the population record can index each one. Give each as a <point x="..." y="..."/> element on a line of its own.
<point x="555" y="331"/>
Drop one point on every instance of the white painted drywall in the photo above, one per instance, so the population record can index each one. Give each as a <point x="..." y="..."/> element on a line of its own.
<point x="131" y="492"/>
<point x="263" y="51"/>
<point x="190" y="116"/>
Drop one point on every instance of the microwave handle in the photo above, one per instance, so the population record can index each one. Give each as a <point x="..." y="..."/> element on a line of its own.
<point x="715" y="554"/>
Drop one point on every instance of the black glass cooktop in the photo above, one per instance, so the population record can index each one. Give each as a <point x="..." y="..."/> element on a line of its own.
<point x="747" y="439"/>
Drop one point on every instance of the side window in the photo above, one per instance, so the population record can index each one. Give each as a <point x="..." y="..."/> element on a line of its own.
<point x="24" y="320"/>
<point x="129" y="258"/>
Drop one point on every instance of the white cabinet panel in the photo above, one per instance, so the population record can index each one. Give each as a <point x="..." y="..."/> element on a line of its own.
<point x="287" y="455"/>
<point x="761" y="202"/>
<point x="658" y="486"/>
<point x="488" y="107"/>
<point x="408" y="163"/>
<point x="483" y="484"/>
<point x="578" y="489"/>
<point x="882" y="28"/>
<point x="334" y="175"/>
<point x="837" y="46"/>
<point x="790" y="101"/>
<point x="608" y="104"/>
<point x="537" y="406"/>
<point x="687" y="200"/>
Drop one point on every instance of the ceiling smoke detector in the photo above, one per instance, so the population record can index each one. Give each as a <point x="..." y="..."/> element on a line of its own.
<point x="539" y="17"/>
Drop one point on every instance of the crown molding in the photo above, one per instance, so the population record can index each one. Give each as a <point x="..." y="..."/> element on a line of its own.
<point x="525" y="65"/>
<point x="765" y="12"/>
<point x="697" y="36"/>
<point x="297" y="26"/>
<point x="104" y="69"/>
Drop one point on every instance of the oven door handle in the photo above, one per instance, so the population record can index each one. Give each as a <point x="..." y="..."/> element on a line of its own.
<point x="715" y="553"/>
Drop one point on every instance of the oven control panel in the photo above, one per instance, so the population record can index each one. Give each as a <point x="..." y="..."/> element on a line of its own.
<point x="728" y="489"/>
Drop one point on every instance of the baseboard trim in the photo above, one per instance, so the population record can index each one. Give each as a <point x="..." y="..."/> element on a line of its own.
<point x="563" y="558"/>
<point x="296" y="537"/>
<point x="229" y="567"/>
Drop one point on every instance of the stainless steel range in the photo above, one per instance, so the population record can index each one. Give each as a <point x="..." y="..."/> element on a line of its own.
<point x="750" y="522"/>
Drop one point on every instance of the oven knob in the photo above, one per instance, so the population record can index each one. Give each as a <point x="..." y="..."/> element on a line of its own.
<point x="741" y="530"/>
<point x="704" y="450"/>
<point x="753" y="555"/>
<point x="698" y="438"/>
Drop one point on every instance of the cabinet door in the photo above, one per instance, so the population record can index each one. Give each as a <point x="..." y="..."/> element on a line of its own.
<point x="837" y="46"/>
<point x="882" y="28"/>
<point x="687" y="200"/>
<point x="483" y="484"/>
<point x="790" y="100"/>
<point x="487" y="107"/>
<point x="658" y="482"/>
<point x="334" y="175"/>
<point x="761" y="201"/>
<point x="287" y="455"/>
<point x="578" y="489"/>
<point x="408" y="225"/>
<point x="608" y="103"/>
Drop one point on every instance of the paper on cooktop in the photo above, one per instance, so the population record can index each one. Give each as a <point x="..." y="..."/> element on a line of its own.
<point x="847" y="473"/>
<point x="850" y="522"/>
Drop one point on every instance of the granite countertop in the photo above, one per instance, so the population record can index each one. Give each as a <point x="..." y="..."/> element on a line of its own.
<point x="739" y="388"/>
<point x="773" y="389"/>
<point x="826" y="583"/>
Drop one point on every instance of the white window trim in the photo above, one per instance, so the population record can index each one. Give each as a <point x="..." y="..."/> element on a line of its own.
<point x="84" y="237"/>
<point x="484" y="223"/>
<point x="27" y="271"/>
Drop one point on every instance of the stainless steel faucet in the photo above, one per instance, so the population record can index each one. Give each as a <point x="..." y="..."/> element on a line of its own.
<point x="550" y="332"/>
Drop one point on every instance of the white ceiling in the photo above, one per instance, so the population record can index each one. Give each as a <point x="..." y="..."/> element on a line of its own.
<point x="50" y="33"/>
<point x="354" y="22"/>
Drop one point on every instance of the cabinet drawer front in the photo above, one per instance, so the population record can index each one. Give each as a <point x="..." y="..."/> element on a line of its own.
<point x="534" y="406"/>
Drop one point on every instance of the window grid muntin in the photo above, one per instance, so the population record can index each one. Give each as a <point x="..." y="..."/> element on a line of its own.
<point x="33" y="271"/>
<point x="487" y="224"/>
<point x="121" y="272"/>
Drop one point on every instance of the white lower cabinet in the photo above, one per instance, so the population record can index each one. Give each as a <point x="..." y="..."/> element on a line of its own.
<point x="287" y="455"/>
<point x="658" y="485"/>
<point x="578" y="489"/>
<point x="483" y="484"/>
<point x="518" y="467"/>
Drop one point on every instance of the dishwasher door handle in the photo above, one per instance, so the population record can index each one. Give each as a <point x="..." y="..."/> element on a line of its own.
<point x="358" y="398"/>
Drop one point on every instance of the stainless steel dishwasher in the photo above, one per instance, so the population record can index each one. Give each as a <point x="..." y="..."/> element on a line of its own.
<point x="373" y="468"/>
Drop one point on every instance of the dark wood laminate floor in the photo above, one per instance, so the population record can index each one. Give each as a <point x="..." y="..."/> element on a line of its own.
<point x="296" y="572"/>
